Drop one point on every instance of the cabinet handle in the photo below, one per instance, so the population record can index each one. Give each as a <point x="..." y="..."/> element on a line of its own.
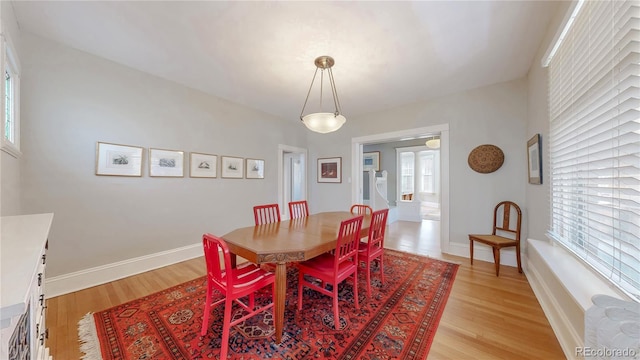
<point x="39" y="279"/>
<point x="41" y="299"/>
<point x="44" y="258"/>
<point x="46" y="333"/>
<point x="37" y="328"/>
<point x="42" y="339"/>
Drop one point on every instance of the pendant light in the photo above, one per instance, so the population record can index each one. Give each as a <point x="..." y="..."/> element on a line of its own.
<point x="323" y="122"/>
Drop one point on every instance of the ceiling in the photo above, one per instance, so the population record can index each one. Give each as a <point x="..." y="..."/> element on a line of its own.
<point x="261" y="54"/>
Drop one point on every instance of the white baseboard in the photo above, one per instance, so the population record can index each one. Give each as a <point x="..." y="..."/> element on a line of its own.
<point x="64" y="284"/>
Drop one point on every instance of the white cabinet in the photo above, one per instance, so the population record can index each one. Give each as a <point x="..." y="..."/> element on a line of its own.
<point x="23" y="259"/>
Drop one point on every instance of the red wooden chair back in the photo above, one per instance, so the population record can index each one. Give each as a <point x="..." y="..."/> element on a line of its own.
<point x="298" y="209"/>
<point x="266" y="214"/>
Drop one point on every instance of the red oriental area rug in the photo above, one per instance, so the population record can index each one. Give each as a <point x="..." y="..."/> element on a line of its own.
<point x="399" y="321"/>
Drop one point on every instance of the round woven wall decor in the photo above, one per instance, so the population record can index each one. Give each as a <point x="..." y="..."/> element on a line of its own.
<point x="486" y="158"/>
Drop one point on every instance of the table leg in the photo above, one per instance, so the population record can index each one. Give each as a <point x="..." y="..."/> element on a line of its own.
<point x="281" y="293"/>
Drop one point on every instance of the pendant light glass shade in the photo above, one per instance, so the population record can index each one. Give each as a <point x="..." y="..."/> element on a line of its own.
<point x="323" y="122"/>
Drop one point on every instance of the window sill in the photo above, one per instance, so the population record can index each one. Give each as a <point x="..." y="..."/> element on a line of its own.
<point x="579" y="281"/>
<point x="11" y="149"/>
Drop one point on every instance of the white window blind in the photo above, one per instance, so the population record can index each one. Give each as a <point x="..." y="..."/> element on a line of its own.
<point x="594" y="99"/>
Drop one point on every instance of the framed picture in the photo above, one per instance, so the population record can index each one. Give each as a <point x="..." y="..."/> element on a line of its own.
<point x="118" y="160"/>
<point x="166" y="163"/>
<point x="202" y="165"/>
<point x="371" y="160"/>
<point x="232" y="167"/>
<point x="330" y="170"/>
<point x="255" y="169"/>
<point x="534" y="154"/>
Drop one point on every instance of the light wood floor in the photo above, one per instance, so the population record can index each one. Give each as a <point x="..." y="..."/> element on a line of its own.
<point x="486" y="317"/>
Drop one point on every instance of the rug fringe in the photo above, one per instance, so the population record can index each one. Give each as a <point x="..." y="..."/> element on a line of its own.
<point x="89" y="343"/>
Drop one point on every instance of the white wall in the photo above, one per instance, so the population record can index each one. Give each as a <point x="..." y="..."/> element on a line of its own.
<point x="490" y="115"/>
<point x="10" y="187"/>
<point x="72" y="99"/>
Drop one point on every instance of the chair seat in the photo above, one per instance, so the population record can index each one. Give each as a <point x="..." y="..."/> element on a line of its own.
<point x="322" y="267"/>
<point x="493" y="240"/>
<point x="363" y="247"/>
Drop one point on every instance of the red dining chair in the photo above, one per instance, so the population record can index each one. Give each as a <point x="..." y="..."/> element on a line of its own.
<point x="266" y="214"/>
<point x="373" y="248"/>
<point x="334" y="268"/>
<point x="233" y="283"/>
<point x="361" y="209"/>
<point x="298" y="209"/>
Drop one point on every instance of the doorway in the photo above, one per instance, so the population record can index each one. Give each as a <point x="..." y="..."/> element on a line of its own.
<point x="292" y="176"/>
<point x="357" y="168"/>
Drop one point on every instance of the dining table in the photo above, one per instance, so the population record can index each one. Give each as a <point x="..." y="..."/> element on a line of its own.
<point x="286" y="242"/>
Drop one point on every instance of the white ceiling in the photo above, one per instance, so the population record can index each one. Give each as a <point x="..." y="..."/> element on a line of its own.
<point x="260" y="54"/>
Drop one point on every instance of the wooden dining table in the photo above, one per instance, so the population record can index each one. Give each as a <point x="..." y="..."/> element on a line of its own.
<point x="288" y="241"/>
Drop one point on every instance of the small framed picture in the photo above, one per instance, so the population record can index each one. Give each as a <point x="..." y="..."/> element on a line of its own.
<point x="534" y="155"/>
<point x="255" y="169"/>
<point x="202" y="165"/>
<point x="330" y="170"/>
<point x="166" y="163"/>
<point x="371" y="160"/>
<point x="232" y="167"/>
<point x="118" y="160"/>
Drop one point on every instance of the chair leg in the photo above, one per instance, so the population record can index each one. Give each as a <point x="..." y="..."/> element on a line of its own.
<point x="226" y="329"/>
<point x="496" y="259"/>
<point x="207" y="312"/>
<point x="300" y="278"/>
<point x="471" y="250"/>
<point x="355" y="288"/>
<point x="367" y="263"/>
<point x="336" y="312"/>
<point x="518" y="258"/>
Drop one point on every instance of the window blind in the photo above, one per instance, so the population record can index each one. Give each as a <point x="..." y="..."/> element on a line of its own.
<point x="594" y="145"/>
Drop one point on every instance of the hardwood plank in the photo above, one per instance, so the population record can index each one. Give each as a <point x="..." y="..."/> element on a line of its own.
<point x="486" y="317"/>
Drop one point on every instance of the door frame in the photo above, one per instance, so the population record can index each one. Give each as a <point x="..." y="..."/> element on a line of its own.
<point x="282" y="149"/>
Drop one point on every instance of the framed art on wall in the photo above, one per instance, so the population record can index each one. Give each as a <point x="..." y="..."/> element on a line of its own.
<point x="330" y="170"/>
<point x="202" y="165"/>
<point x="166" y="163"/>
<point x="118" y="160"/>
<point x="534" y="155"/>
<point x="255" y="169"/>
<point x="232" y="167"/>
<point x="371" y="160"/>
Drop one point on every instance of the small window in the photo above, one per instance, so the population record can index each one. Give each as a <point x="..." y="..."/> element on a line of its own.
<point x="11" y="89"/>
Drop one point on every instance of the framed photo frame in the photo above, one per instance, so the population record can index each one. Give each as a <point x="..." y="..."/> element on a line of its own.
<point x="330" y="170"/>
<point x="203" y="165"/>
<point x="534" y="156"/>
<point x="255" y="169"/>
<point x="371" y="160"/>
<point x="232" y="167"/>
<point x="166" y="163"/>
<point x="118" y="160"/>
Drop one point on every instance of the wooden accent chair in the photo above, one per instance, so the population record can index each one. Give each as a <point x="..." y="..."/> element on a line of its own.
<point x="359" y="209"/>
<point x="266" y="214"/>
<point x="501" y="226"/>
<point x="233" y="283"/>
<point x="374" y="247"/>
<point x="298" y="209"/>
<point x="334" y="268"/>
